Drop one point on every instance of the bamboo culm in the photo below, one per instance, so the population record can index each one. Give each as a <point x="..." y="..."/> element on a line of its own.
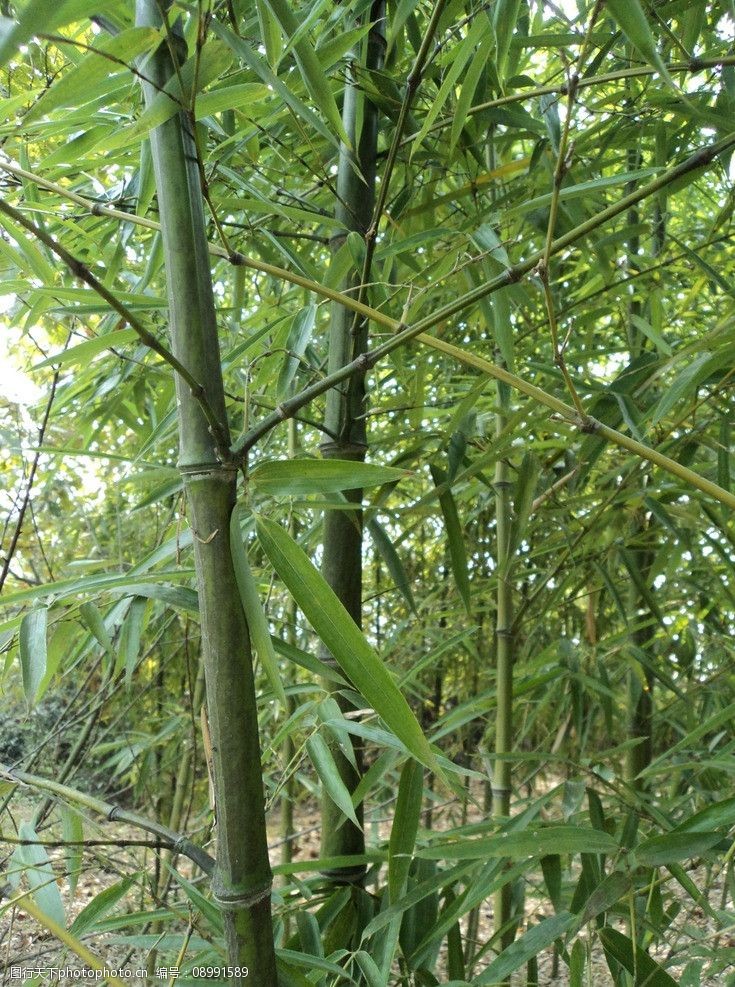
<point x="344" y="418"/>
<point x="242" y="877"/>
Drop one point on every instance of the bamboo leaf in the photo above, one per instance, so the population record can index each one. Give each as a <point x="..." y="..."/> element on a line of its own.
<point x="720" y="816"/>
<point x="321" y="758"/>
<point x="605" y="895"/>
<point x="79" y="85"/>
<point x="525" y="489"/>
<point x="505" y="17"/>
<point x="298" y="339"/>
<point x="674" y="846"/>
<point x="40" y="875"/>
<point x="530" y="944"/>
<point x="343" y="638"/>
<point x="95" y="624"/>
<point x="244" y="52"/>
<point x="645" y="969"/>
<point x="33" y="651"/>
<point x="85" y="352"/>
<point x="480" y="29"/>
<point x="36" y="16"/>
<point x="632" y="20"/>
<point x="371" y="973"/>
<point x="310" y="67"/>
<point x="392" y="559"/>
<point x="101" y="905"/>
<point x="713" y="722"/>
<point x="405" y="827"/>
<point x="455" y="537"/>
<point x="72" y="832"/>
<point x="260" y="636"/>
<point x="469" y="87"/>
<point x="515" y="846"/>
<point x="291" y="477"/>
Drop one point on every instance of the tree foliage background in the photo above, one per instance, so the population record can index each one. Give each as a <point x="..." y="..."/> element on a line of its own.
<point x="546" y="279"/>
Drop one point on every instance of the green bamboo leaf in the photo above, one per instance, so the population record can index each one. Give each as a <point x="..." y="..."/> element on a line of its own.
<point x="310" y="67"/>
<point x="455" y="537"/>
<point x="95" y="624"/>
<point x="712" y="723"/>
<point x="80" y="84"/>
<point x="605" y="895"/>
<point x="686" y="382"/>
<point x="269" y="32"/>
<point x="37" y="262"/>
<point x="131" y="633"/>
<point x="551" y="869"/>
<point x="298" y="339"/>
<point x="632" y="20"/>
<point x="528" y="843"/>
<point x="674" y="846"/>
<point x="309" y="934"/>
<point x="505" y="16"/>
<point x="469" y="87"/>
<point x="525" y="488"/>
<point x="479" y="30"/>
<point x="343" y="638"/>
<point x="101" y="905"/>
<point x="258" y="65"/>
<point x="647" y="329"/>
<point x="404" y="828"/>
<point x="40" y="875"/>
<point x="248" y="94"/>
<point x="85" y="352"/>
<point x="72" y="833"/>
<point x="38" y="16"/>
<point x="720" y="816"/>
<point x="321" y="758"/>
<point x="392" y="559"/>
<point x="33" y="651"/>
<point x="647" y="972"/>
<point x="176" y="95"/>
<point x="260" y="636"/>
<point x="292" y="477"/>
<point x="577" y="959"/>
<point x="530" y="944"/>
<point x="370" y="971"/>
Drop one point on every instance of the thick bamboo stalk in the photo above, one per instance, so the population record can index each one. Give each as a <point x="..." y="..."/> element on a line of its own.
<point x="242" y="877"/>
<point x="344" y="418"/>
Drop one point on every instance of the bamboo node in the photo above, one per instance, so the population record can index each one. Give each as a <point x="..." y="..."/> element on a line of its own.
<point x="236" y="258"/>
<point x="503" y="632"/>
<point x="113" y="813"/>
<point x="587" y="424"/>
<point x="233" y="899"/>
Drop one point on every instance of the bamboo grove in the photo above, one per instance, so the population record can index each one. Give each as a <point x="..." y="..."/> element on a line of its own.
<point x="367" y="552"/>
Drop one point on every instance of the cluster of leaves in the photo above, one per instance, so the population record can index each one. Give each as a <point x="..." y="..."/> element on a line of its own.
<point x="530" y="120"/>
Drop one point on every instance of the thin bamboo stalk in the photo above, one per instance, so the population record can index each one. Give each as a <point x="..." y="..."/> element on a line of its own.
<point x="242" y="878"/>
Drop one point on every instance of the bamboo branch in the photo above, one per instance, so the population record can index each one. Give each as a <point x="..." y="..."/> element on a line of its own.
<point x="81" y="271"/>
<point x="694" y="65"/>
<point x="700" y="159"/>
<point x="29" y="485"/>
<point x="174" y="841"/>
